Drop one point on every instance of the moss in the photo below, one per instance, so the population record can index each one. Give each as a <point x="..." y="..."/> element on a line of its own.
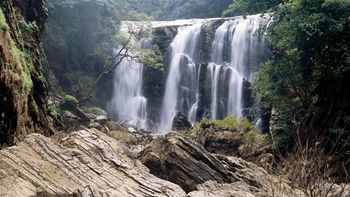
<point x="231" y="122"/>
<point x="28" y="28"/>
<point x="96" y="111"/>
<point x="54" y="111"/>
<point x="26" y="66"/>
<point x="3" y="24"/>
<point x="69" y="103"/>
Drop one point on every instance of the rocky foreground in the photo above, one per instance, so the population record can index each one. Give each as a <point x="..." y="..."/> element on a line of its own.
<point x="119" y="163"/>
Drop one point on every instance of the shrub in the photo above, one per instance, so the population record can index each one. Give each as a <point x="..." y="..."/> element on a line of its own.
<point x="231" y="122"/>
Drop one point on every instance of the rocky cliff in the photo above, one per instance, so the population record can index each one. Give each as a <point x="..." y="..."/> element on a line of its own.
<point x="23" y="103"/>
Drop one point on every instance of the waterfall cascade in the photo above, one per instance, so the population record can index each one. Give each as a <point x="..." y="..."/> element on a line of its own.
<point x="181" y="90"/>
<point x="202" y="80"/>
<point x="128" y="103"/>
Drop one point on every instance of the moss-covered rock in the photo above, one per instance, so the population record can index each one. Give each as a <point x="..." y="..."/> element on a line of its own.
<point x="233" y="137"/>
<point x="23" y="95"/>
<point x="96" y="111"/>
<point x="69" y="103"/>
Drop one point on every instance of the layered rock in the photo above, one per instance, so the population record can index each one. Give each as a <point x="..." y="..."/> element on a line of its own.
<point x="86" y="162"/>
<point x="179" y="160"/>
<point x="23" y="102"/>
<point x="250" y="144"/>
<point x="90" y="163"/>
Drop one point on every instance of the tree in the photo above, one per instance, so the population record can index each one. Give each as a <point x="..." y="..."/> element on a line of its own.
<point x="130" y="50"/>
<point x="245" y="7"/>
<point x="305" y="79"/>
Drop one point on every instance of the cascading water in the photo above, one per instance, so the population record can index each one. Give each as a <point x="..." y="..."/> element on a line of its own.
<point x="216" y="65"/>
<point x="216" y="91"/>
<point x="128" y="104"/>
<point x="240" y="34"/>
<point x="181" y="90"/>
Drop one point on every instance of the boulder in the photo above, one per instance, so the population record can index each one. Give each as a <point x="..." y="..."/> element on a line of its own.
<point x="181" y="122"/>
<point x="102" y="120"/>
<point x="181" y="161"/>
<point x="71" y="121"/>
<point x="69" y="103"/>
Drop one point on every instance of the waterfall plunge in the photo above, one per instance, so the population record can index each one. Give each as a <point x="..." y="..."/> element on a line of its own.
<point x="240" y="35"/>
<point x="181" y="90"/>
<point x="128" y="104"/>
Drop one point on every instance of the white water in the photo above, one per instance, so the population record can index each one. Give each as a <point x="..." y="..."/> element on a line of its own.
<point x="181" y="90"/>
<point x="216" y="65"/>
<point x="234" y="56"/>
<point x="128" y="104"/>
<point x="243" y="43"/>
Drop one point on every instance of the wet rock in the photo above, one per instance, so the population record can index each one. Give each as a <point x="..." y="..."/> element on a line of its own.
<point x="181" y="122"/>
<point x="23" y="89"/>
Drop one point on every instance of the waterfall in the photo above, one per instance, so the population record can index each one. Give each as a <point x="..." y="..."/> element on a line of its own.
<point x="216" y="65"/>
<point x="206" y="74"/>
<point x="181" y="90"/>
<point x="240" y="35"/>
<point x="128" y="104"/>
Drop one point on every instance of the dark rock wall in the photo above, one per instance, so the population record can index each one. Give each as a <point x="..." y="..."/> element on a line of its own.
<point x="23" y="89"/>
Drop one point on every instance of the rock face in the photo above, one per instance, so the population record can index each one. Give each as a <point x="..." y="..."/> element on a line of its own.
<point x="178" y="160"/>
<point x="249" y="145"/>
<point x="23" y="103"/>
<point x="186" y="163"/>
<point x="85" y="163"/>
<point x="90" y="163"/>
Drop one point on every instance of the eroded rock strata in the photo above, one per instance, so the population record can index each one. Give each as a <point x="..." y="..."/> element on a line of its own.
<point x="90" y="163"/>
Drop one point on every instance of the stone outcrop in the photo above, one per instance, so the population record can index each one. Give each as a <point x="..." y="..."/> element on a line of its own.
<point x="250" y="145"/>
<point x="23" y="103"/>
<point x="86" y="163"/>
<point x="91" y="163"/>
<point x="179" y="160"/>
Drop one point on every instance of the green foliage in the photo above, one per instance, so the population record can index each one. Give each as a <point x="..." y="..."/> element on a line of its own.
<point x="245" y="7"/>
<point x="310" y="45"/>
<point x="79" y="40"/>
<point x="231" y="122"/>
<point x="170" y="9"/>
<point x="28" y="28"/>
<point x="69" y="103"/>
<point x="138" y="16"/>
<point x="24" y="59"/>
<point x="54" y="111"/>
<point x="3" y="24"/>
<point x="152" y="57"/>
